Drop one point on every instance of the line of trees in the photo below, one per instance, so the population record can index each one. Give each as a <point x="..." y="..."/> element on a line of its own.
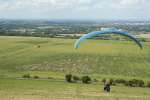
<point x="87" y="79"/>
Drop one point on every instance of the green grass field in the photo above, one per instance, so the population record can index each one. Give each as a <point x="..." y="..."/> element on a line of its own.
<point x="12" y="89"/>
<point x="57" y="57"/>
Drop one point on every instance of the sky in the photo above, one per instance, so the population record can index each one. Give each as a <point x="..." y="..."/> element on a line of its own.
<point x="76" y="9"/>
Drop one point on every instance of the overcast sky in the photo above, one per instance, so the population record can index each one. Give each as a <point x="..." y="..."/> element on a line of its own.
<point x="76" y="9"/>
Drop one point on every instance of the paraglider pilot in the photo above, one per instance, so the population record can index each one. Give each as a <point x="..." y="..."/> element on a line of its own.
<point x="107" y="86"/>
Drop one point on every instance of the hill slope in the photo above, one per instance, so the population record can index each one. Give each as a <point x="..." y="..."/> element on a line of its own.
<point x="98" y="57"/>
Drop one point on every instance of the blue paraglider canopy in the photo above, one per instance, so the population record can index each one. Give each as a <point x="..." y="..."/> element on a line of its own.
<point x="109" y="31"/>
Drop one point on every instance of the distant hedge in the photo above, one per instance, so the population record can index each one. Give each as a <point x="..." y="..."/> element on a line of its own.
<point x="68" y="77"/>
<point x="86" y="79"/>
<point x="72" y="78"/>
<point x="26" y="76"/>
<point x="136" y="83"/>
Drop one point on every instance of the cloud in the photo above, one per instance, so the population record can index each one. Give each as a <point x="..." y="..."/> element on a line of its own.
<point x="38" y="4"/>
<point x="131" y="3"/>
<point x="73" y="8"/>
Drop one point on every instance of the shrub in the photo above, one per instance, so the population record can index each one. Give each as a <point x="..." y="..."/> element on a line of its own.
<point x="148" y="84"/>
<point x="126" y="83"/>
<point x="86" y="79"/>
<point x="136" y="83"/>
<point x="133" y="82"/>
<point x="68" y="78"/>
<point x="75" y="78"/>
<point x="141" y="83"/>
<point x="36" y="77"/>
<point x="103" y="80"/>
<point x="112" y="82"/>
<point x="26" y="76"/>
<point x="122" y="81"/>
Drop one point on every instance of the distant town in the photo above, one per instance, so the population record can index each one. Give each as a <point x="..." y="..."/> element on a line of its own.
<point x="69" y="29"/>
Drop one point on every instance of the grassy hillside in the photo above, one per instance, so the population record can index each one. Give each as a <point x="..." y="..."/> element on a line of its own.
<point x="95" y="57"/>
<point x="11" y="89"/>
<point x="53" y="58"/>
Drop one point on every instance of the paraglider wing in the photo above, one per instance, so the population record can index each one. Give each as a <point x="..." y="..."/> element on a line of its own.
<point x="96" y="33"/>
